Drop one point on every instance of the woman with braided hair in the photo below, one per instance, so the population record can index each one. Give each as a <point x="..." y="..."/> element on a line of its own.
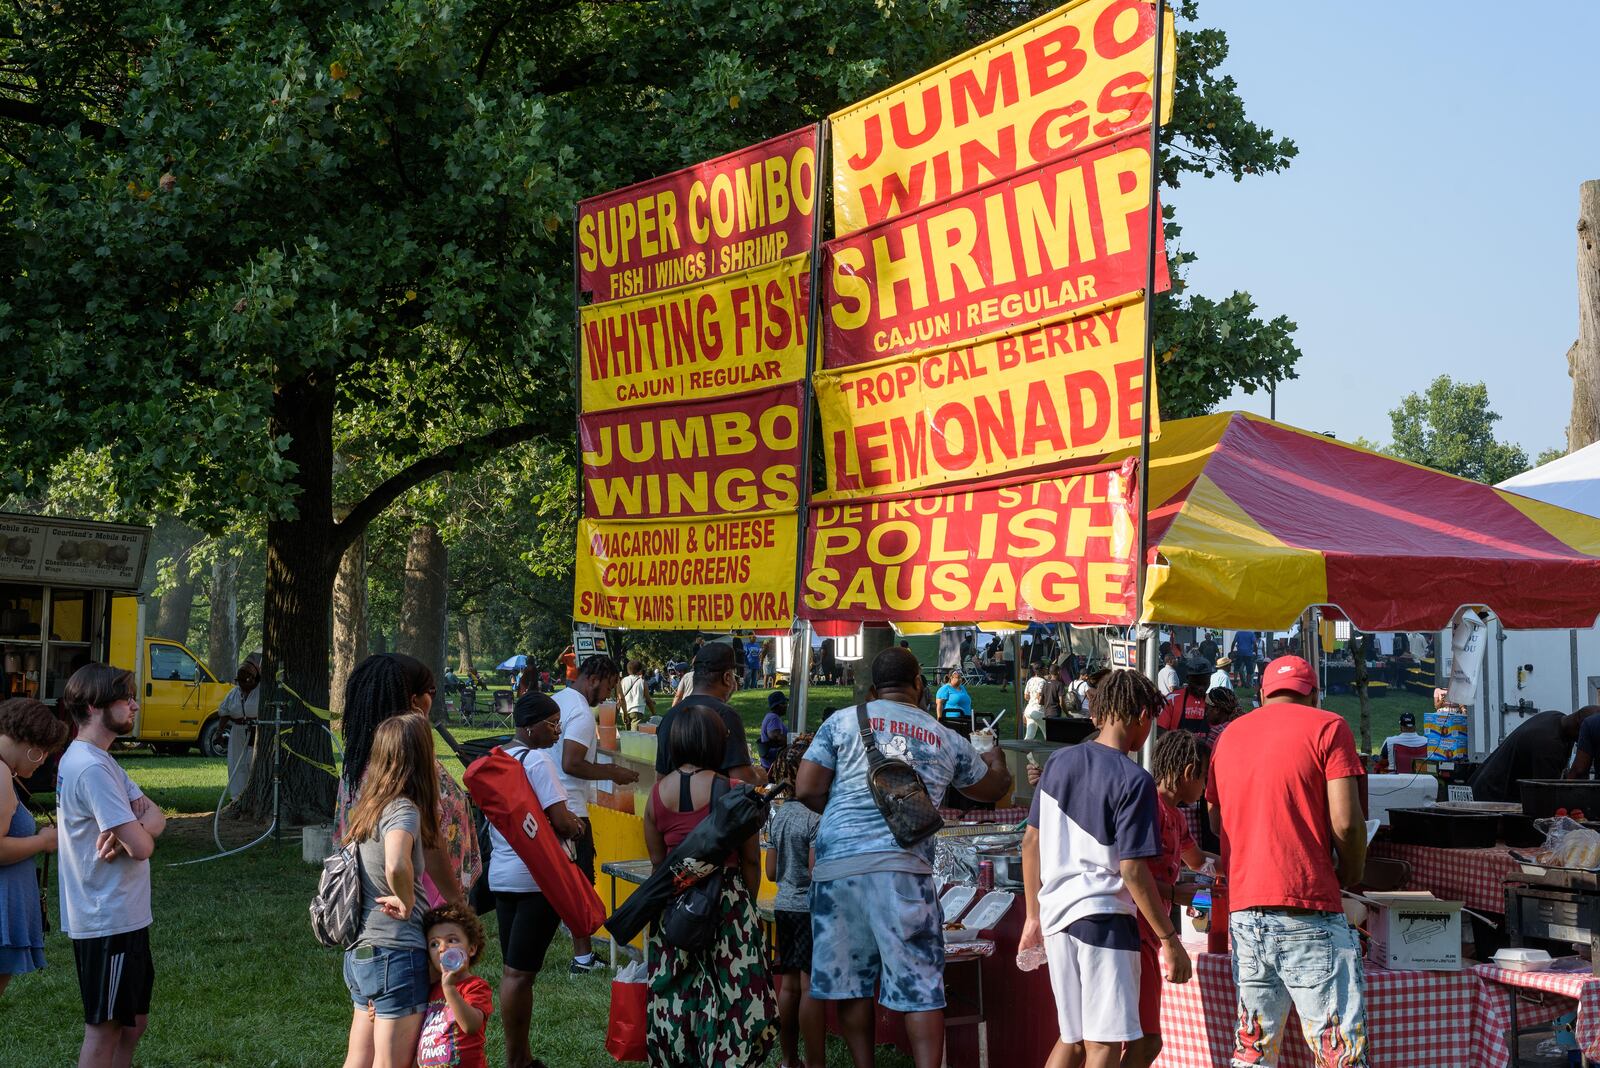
<point x="383" y="686"/>
<point x="1222" y="708"/>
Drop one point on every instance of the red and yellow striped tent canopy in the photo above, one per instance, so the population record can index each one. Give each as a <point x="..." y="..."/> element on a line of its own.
<point x="1252" y="522"/>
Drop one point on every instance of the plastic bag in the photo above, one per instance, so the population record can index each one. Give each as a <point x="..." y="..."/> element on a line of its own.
<point x="630" y="1013"/>
<point x="1568" y="844"/>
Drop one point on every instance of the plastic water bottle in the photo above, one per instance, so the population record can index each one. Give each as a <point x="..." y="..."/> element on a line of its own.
<point x="1030" y="959"/>
<point x="452" y="959"/>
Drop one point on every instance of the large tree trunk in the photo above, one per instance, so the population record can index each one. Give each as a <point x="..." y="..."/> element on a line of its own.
<point x="176" y="606"/>
<point x="302" y="557"/>
<point x="1583" y="361"/>
<point x="223" y="628"/>
<point x="463" y="646"/>
<point x="349" y="620"/>
<point x="874" y="640"/>
<point x="423" y="611"/>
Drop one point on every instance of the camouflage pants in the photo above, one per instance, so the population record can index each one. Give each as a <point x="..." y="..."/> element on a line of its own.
<point x="714" y="1008"/>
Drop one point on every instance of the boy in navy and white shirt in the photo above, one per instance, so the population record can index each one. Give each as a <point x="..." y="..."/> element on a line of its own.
<point x="1093" y="823"/>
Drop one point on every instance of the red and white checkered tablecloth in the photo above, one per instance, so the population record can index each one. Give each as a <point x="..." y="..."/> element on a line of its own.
<point x="1414" y="1019"/>
<point x="998" y="815"/>
<point x="1475" y="877"/>
<point x="1570" y="988"/>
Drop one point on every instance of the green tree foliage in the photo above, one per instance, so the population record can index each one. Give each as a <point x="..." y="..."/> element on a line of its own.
<point x="1450" y="427"/>
<point x="239" y="241"/>
<point x="1555" y="452"/>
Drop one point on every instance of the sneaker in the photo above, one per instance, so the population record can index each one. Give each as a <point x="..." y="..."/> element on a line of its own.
<point x="579" y="968"/>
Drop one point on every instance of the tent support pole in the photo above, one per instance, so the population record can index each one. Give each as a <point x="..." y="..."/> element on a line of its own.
<point x="1016" y="682"/>
<point x="1577" y="691"/>
<point x="799" y="674"/>
<point x="1147" y="408"/>
<point x="1148" y="645"/>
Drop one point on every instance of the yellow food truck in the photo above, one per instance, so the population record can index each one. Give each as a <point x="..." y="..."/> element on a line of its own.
<point x="69" y="594"/>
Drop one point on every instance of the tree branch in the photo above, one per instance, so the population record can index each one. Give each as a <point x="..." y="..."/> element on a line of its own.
<point x="414" y="474"/>
<point x="491" y="41"/>
<point x="39" y="115"/>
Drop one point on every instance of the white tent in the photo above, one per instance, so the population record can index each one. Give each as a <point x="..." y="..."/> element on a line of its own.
<point x="1571" y="481"/>
<point x="1551" y="668"/>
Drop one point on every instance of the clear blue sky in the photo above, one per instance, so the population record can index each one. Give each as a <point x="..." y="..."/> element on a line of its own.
<point x="1428" y="225"/>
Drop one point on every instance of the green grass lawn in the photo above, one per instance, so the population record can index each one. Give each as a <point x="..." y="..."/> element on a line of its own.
<point x="239" y="979"/>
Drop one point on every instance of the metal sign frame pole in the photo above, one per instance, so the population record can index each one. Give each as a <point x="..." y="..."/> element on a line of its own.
<point x="799" y="629"/>
<point x="1141" y="563"/>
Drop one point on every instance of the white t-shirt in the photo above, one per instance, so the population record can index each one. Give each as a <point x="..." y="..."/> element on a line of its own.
<point x="1168" y="680"/>
<point x="633" y="696"/>
<point x="577" y="725"/>
<point x="1408" y="738"/>
<point x="506" y="871"/>
<point x="1033" y="693"/>
<point x="98" y="897"/>
<point x="1220" y="680"/>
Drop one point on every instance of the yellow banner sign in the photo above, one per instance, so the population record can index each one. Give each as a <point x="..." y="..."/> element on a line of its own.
<point x="740" y="333"/>
<point x="1071" y="388"/>
<point x="1064" y="82"/>
<point x="701" y="574"/>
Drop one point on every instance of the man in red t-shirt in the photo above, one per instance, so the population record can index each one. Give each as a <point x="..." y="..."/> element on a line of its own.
<point x="1285" y="797"/>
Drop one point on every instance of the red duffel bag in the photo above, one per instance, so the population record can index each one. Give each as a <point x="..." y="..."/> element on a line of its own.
<point x="499" y="787"/>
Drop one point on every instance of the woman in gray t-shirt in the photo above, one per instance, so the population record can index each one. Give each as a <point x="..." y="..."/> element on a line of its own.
<point x="386" y="969"/>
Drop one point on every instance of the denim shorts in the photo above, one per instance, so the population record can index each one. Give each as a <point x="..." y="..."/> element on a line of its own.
<point x="395" y="981"/>
<point x="1311" y="960"/>
<point x="880" y="932"/>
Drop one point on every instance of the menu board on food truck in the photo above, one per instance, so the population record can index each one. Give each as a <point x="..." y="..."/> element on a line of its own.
<point x="67" y="552"/>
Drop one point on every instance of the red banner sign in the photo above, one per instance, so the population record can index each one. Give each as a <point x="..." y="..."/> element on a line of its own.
<point x="747" y="209"/>
<point x="718" y="457"/>
<point x="1026" y="248"/>
<point x="1059" y="549"/>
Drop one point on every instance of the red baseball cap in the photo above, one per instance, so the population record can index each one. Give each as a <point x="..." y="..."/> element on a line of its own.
<point x="1290" y="673"/>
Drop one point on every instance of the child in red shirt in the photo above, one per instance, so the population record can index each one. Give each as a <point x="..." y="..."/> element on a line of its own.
<point x="1180" y="774"/>
<point x="459" y="1003"/>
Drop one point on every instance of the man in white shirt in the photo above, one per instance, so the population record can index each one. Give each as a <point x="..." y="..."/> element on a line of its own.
<point x="1168" y="680"/>
<point x="108" y="831"/>
<point x="1220" y="679"/>
<point x="1408" y="736"/>
<point x="633" y="697"/>
<point x="596" y="679"/>
<point x="527" y="921"/>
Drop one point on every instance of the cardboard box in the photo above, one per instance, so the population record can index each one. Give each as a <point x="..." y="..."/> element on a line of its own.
<point x="1414" y="931"/>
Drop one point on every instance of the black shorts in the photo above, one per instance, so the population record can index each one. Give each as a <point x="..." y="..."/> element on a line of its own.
<point x="115" y="976"/>
<point x="527" y="924"/>
<point x="585" y="844"/>
<point x="794" y="941"/>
